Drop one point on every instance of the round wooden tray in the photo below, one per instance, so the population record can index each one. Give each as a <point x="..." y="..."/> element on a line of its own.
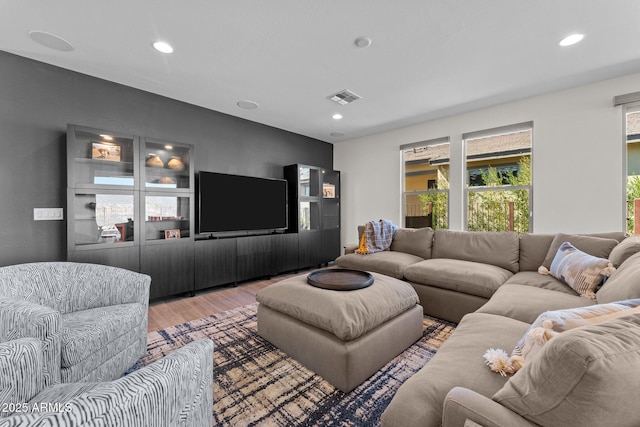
<point x="340" y="279"/>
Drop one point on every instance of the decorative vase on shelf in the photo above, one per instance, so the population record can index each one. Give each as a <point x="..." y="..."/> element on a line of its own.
<point x="175" y="163"/>
<point x="154" y="161"/>
<point x="166" y="180"/>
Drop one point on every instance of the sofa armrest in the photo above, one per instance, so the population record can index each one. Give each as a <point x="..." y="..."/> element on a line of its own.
<point x="175" y="390"/>
<point x="350" y="248"/>
<point x="21" y="363"/>
<point x="462" y="405"/>
<point x="23" y="319"/>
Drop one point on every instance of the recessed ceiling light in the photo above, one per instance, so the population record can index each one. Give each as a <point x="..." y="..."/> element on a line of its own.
<point x="168" y="147"/>
<point x="247" y="105"/>
<point x="107" y="137"/>
<point x="571" y="40"/>
<point x="163" y="47"/>
<point x="51" y="41"/>
<point x="363" y="42"/>
<point x="336" y="134"/>
<point x="336" y="116"/>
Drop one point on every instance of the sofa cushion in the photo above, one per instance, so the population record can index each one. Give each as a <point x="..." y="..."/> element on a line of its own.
<point x="85" y="333"/>
<point x="414" y="241"/>
<point x="581" y="271"/>
<point x="623" y="284"/>
<point x="587" y="376"/>
<point x="626" y="248"/>
<point x="391" y="263"/>
<point x="543" y="281"/>
<point x="467" y="277"/>
<point x="597" y="246"/>
<point x="533" y="250"/>
<point x="347" y="315"/>
<point x="495" y="248"/>
<point x="525" y="303"/>
<point x="419" y="401"/>
<point x="619" y="236"/>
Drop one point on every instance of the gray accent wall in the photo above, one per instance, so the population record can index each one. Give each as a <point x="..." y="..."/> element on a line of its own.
<point x="37" y="101"/>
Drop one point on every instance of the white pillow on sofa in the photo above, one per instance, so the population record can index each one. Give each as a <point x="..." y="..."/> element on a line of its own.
<point x="548" y="325"/>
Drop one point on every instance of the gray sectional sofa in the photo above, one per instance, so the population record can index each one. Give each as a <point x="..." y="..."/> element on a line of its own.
<point x="456" y="272"/>
<point x="489" y="284"/>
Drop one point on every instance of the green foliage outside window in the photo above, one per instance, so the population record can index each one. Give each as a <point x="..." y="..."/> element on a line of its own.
<point x="437" y="202"/>
<point x="633" y="192"/>
<point x="491" y="210"/>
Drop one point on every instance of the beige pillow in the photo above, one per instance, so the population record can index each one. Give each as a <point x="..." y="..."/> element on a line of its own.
<point x="581" y="271"/>
<point x="626" y="248"/>
<point x="548" y="325"/>
<point x="596" y="246"/>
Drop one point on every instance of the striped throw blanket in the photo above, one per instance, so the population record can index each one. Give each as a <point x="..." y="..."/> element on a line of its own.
<point x="376" y="237"/>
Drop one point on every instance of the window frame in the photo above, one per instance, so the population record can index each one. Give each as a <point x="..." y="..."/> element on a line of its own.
<point x="467" y="189"/>
<point x="405" y="193"/>
<point x="627" y="108"/>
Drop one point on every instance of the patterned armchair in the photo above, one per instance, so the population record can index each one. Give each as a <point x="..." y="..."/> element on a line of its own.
<point x="174" y="391"/>
<point x="91" y="319"/>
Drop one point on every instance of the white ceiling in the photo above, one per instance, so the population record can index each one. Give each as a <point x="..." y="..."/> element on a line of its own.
<point x="428" y="59"/>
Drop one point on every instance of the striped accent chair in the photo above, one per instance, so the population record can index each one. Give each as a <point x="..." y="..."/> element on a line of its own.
<point x="92" y="319"/>
<point x="176" y="390"/>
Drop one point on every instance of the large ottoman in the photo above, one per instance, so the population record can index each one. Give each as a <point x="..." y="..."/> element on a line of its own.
<point x="343" y="336"/>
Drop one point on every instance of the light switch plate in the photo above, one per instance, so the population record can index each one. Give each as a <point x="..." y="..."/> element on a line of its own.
<point x="48" y="214"/>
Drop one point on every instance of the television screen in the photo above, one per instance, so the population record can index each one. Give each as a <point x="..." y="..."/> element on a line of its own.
<point x="235" y="203"/>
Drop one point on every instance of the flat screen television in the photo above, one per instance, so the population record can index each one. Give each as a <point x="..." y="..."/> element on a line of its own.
<point x="229" y="204"/>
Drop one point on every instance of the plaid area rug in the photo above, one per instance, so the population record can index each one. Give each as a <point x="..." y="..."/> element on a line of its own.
<point x="255" y="384"/>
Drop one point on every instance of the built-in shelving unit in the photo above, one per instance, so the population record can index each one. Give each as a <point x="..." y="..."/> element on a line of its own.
<point x="314" y="212"/>
<point x="131" y="204"/>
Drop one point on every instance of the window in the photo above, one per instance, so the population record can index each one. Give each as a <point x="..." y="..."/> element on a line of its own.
<point x="426" y="183"/>
<point x="632" y="142"/>
<point x="498" y="169"/>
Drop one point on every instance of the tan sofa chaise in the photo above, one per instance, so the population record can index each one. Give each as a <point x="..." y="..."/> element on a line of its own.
<point x="488" y="283"/>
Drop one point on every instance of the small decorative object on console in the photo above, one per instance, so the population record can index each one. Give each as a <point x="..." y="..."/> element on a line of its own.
<point x="172" y="234"/>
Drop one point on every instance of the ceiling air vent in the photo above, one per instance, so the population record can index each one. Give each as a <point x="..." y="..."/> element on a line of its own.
<point x="344" y="97"/>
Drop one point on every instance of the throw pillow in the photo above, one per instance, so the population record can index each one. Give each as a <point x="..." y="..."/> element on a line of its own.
<point x="548" y="325"/>
<point x="581" y="271"/>
<point x="596" y="246"/>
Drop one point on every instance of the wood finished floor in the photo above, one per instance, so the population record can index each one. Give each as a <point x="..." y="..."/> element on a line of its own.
<point x="176" y="310"/>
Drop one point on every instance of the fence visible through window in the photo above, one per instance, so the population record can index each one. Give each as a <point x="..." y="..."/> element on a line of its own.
<point x="498" y="165"/>
<point x="508" y="211"/>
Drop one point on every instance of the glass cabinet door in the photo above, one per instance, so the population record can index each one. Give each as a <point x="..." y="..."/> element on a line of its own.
<point x="167" y="217"/>
<point x="309" y="182"/>
<point x="309" y="215"/>
<point x="103" y="218"/>
<point x="167" y="165"/>
<point x="100" y="159"/>
<point x="330" y="184"/>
